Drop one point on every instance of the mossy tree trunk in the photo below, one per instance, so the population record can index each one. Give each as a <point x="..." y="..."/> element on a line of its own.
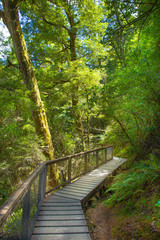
<point x="10" y="18"/>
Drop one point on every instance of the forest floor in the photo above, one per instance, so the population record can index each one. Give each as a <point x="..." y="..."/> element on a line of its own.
<point x="106" y="223"/>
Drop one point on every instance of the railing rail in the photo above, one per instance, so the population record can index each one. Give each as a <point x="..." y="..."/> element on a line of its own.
<point x="19" y="213"/>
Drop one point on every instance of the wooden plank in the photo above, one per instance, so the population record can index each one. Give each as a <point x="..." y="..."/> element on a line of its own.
<point x="59" y="204"/>
<point x="75" y="236"/>
<point x="60" y="223"/>
<point x="58" y="212"/>
<point x="75" y="189"/>
<point x="60" y="208"/>
<point x="67" y="196"/>
<point x="55" y="198"/>
<point x="78" y="187"/>
<point x="62" y="229"/>
<point x="89" y="180"/>
<point x="83" y="185"/>
<point x="61" y="217"/>
<point x="73" y="193"/>
<point x="83" y="181"/>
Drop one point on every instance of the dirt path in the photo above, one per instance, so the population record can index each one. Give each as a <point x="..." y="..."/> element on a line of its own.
<point x="103" y="222"/>
<point x="100" y="221"/>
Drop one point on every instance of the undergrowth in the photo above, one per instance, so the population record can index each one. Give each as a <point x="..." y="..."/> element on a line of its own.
<point x="137" y="192"/>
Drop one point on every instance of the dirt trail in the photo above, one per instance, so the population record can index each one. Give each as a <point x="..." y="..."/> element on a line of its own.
<point x="100" y="220"/>
<point x="103" y="222"/>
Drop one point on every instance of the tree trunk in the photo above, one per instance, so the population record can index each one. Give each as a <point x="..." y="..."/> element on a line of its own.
<point x="119" y="39"/>
<point x="73" y="57"/>
<point x="11" y="20"/>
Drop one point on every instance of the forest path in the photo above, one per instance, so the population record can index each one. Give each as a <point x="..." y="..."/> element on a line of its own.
<point x="61" y="215"/>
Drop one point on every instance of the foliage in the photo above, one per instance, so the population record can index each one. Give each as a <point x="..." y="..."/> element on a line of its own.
<point x="130" y="93"/>
<point x="131" y="187"/>
<point x="97" y="66"/>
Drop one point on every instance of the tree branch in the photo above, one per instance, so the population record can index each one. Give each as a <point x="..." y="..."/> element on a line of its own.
<point x="137" y="19"/>
<point x="7" y="88"/>
<point x="55" y="25"/>
<point x="10" y="64"/>
<point x="56" y="83"/>
<point x="135" y="2"/>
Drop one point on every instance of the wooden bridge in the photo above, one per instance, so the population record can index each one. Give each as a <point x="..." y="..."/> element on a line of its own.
<point x="32" y="213"/>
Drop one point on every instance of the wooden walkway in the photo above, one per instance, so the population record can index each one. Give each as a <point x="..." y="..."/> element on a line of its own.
<point x="61" y="215"/>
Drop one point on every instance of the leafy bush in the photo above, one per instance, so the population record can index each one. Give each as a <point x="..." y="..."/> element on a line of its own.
<point x="20" y="154"/>
<point x="130" y="186"/>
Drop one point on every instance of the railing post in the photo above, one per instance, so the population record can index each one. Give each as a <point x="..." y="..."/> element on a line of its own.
<point x="88" y="160"/>
<point x="105" y="154"/>
<point x="97" y="159"/>
<point x="40" y="188"/>
<point x="112" y="152"/>
<point x="85" y="162"/>
<point x="25" y="235"/>
<point x="42" y="185"/>
<point x="44" y="177"/>
<point x="69" y="169"/>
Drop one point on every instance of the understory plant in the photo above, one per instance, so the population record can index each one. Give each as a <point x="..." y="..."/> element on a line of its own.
<point x="136" y="189"/>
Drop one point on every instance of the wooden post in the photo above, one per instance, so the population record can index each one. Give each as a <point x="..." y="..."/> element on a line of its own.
<point x="97" y="159"/>
<point x="88" y="158"/>
<point x="105" y="154"/>
<point x="44" y="177"/>
<point x="85" y="162"/>
<point x="42" y="186"/>
<point x="69" y="169"/>
<point x="25" y="235"/>
<point x="111" y="152"/>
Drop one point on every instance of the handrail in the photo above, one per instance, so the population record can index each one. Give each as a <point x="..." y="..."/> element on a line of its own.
<point x="75" y="155"/>
<point x="10" y="203"/>
<point x="69" y="171"/>
<point x="18" y="214"/>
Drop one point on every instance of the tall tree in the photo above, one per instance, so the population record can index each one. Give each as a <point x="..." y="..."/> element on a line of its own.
<point x="10" y="17"/>
<point x="74" y="31"/>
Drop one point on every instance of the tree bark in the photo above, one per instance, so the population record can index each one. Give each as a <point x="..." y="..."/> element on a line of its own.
<point x="11" y="20"/>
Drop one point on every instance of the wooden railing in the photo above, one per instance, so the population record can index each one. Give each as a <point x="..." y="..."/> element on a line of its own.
<point x="19" y="213"/>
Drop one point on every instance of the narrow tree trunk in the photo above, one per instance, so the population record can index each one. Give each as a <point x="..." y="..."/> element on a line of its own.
<point x="76" y="113"/>
<point x="120" y="37"/>
<point x="11" y="20"/>
<point x="121" y="125"/>
<point x="123" y="129"/>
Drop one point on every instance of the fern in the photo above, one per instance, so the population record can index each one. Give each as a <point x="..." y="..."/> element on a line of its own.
<point x="129" y="186"/>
